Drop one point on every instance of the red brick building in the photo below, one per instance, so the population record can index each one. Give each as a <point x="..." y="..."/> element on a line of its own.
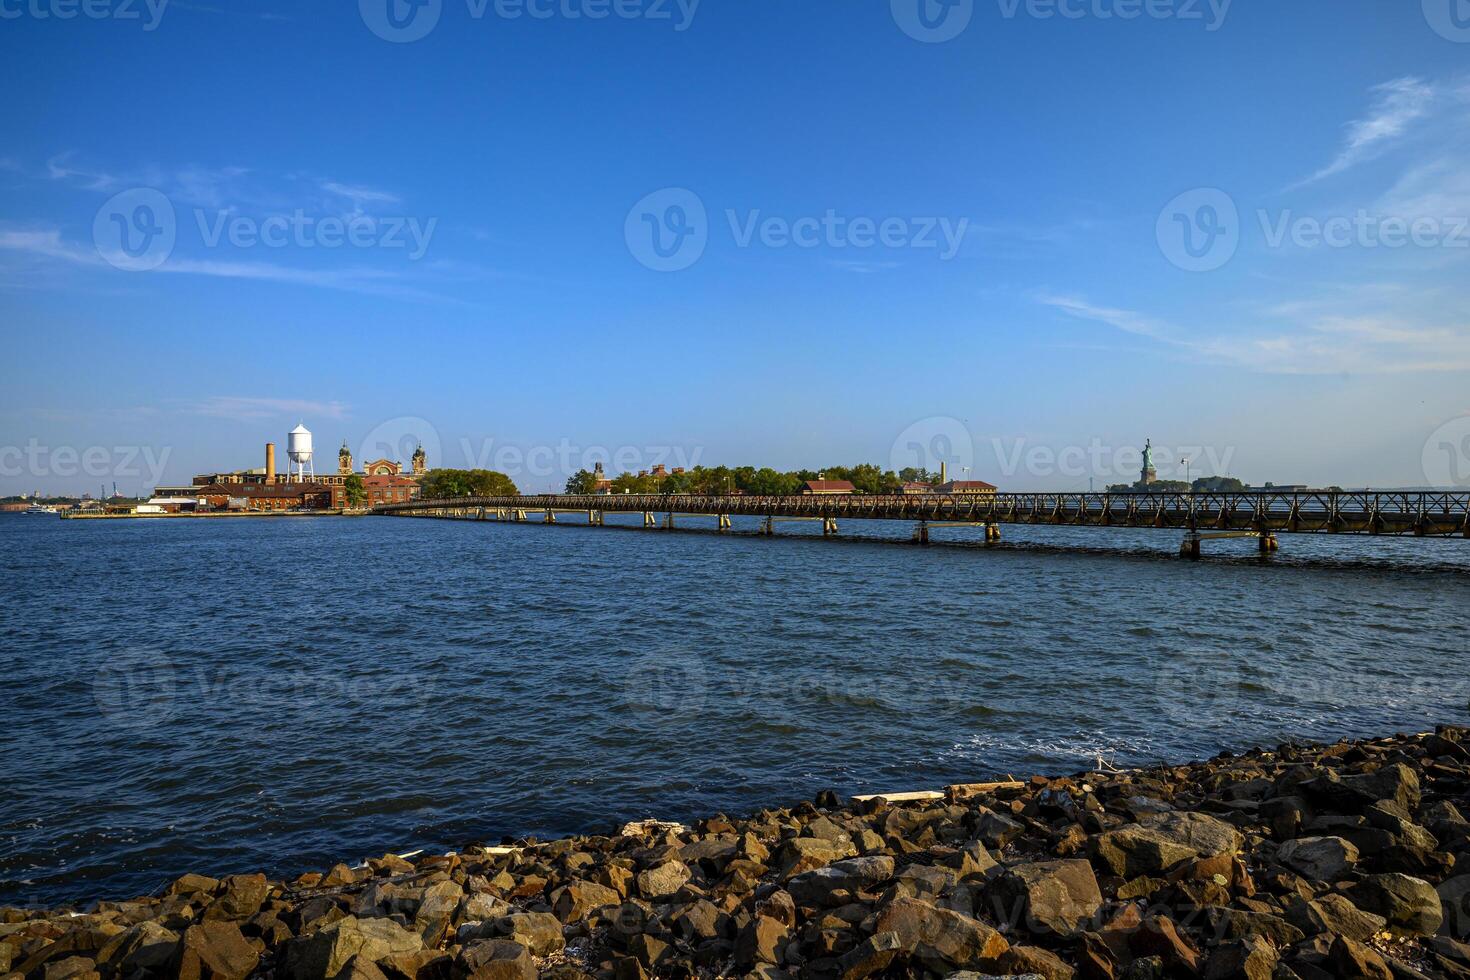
<point x="270" y="496"/>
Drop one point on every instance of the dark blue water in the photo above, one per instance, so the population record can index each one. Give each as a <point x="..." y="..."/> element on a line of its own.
<point x="277" y="695"/>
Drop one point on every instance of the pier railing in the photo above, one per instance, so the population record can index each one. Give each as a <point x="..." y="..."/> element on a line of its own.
<point x="1419" y="514"/>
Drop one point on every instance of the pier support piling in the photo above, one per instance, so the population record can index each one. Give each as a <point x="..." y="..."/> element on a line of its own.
<point x="725" y="524"/>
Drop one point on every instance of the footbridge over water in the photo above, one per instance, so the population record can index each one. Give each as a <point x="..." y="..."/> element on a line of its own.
<point x="1261" y="514"/>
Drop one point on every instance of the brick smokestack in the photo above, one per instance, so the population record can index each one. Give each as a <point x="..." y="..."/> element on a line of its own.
<point x="270" y="462"/>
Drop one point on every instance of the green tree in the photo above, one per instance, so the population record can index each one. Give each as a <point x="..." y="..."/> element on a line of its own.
<point x="356" y="492"/>
<point x="441" y="484"/>
<point x="581" y="482"/>
<point x="677" y="483"/>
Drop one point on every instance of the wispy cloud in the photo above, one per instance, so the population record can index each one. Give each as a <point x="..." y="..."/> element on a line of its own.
<point x="863" y="266"/>
<point x="235" y="407"/>
<point x="1397" y="105"/>
<point x="358" y="194"/>
<point x="49" y="243"/>
<point x="1319" y="344"/>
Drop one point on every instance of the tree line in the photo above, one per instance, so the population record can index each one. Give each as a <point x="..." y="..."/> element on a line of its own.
<point x="720" y="480"/>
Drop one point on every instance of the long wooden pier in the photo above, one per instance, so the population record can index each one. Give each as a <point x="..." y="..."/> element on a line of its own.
<point x="1261" y="514"/>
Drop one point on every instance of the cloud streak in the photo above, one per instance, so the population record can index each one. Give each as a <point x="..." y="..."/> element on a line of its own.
<point x="1323" y="344"/>
<point x="239" y="407"/>
<point x="1396" y="107"/>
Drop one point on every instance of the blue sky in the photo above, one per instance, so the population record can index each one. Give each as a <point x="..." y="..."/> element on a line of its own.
<point x="963" y="231"/>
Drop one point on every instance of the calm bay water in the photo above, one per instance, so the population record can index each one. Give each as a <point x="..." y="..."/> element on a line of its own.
<point x="278" y="695"/>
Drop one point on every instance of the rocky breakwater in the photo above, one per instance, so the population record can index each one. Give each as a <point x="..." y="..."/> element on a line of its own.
<point x="1348" y="860"/>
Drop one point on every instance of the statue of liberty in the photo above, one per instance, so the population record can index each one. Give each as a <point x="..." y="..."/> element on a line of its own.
<point x="1149" y="474"/>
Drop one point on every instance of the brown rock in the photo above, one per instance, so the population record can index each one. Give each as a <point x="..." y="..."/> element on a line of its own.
<point x="1410" y="905"/>
<point x="241" y="897"/>
<point x="941" y="939"/>
<point x="1353" y="959"/>
<point x="576" y="898"/>
<point x="325" y="952"/>
<point x="663" y="881"/>
<point x="1160" y="937"/>
<point x="1158" y="843"/>
<point x="1251" y="958"/>
<point x="497" y="959"/>
<point x="1054" y="897"/>
<point x="872" y="955"/>
<point x="215" y="951"/>
<point x="1326" y="859"/>
<point x="1035" y="961"/>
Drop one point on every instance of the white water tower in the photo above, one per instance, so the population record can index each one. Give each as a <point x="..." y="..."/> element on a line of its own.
<point x="298" y="450"/>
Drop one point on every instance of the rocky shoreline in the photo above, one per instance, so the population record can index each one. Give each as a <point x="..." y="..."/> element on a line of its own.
<point x="1346" y="860"/>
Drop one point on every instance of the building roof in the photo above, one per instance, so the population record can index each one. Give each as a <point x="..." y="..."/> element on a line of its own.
<point x="954" y="486"/>
<point x="262" y="489"/>
<point x="830" y="486"/>
<point x="915" y="485"/>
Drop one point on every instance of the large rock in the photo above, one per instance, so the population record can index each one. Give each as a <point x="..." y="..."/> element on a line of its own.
<point x="663" y="881"/>
<point x="1159" y="843"/>
<point x="1334" y="915"/>
<point x="574" y="900"/>
<point x="824" y="886"/>
<point x="146" y="947"/>
<point x="1341" y="794"/>
<point x="1326" y="859"/>
<point x="497" y="959"/>
<point x="872" y="955"/>
<point x="215" y="951"/>
<point x="540" y="932"/>
<point x="1454" y="897"/>
<point x="240" y="897"/>
<point x="1251" y="958"/>
<point x="324" y="953"/>
<point x="1051" y="897"/>
<point x="940" y="939"/>
<point x="1409" y="904"/>
<point x="1036" y="962"/>
<point x="1354" y="960"/>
